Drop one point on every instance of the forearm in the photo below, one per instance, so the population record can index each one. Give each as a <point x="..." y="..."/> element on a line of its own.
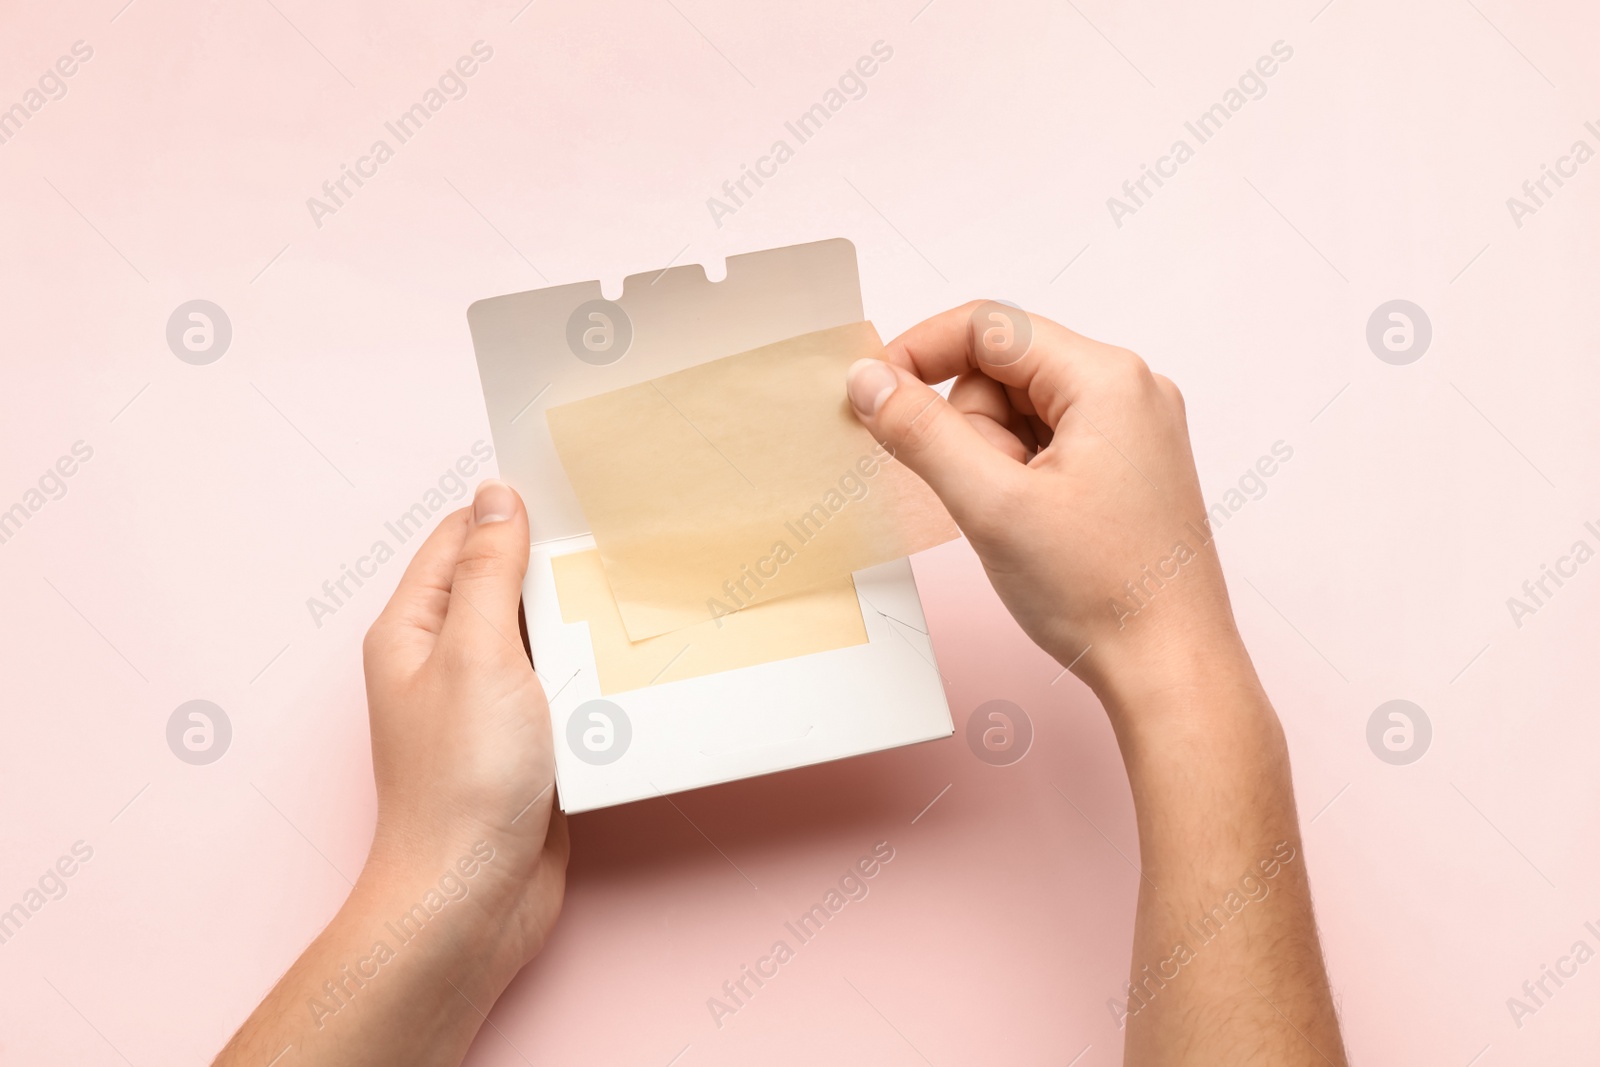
<point x="388" y="981"/>
<point x="1227" y="966"/>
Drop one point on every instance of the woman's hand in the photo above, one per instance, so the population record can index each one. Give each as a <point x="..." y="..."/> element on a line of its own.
<point x="1066" y="462"/>
<point x="468" y="864"/>
<point x="461" y="744"/>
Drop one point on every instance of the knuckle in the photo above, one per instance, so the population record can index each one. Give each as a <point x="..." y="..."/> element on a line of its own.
<point x="480" y="561"/>
<point x="1126" y="376"/>
<point x="917" y="422"/>
<point x="1170" y="390"/>
<point x="1134" y="366"/>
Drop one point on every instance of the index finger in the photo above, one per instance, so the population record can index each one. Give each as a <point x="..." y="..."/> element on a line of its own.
<point x="1026" y="352"/>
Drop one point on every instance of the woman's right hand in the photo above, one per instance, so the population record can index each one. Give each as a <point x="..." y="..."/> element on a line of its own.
<point x="1066" y="462"/>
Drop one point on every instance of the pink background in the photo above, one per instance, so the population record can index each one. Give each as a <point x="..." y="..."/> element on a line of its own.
<point x="219" y="497"/>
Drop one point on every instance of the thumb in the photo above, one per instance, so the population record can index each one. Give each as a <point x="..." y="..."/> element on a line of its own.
<point x="922" y="430"/>
<point x="486" y="585"/>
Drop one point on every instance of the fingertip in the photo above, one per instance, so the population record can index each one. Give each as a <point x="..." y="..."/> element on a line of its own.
<point x="869" y="383"/>
<point x="495" y="501"/>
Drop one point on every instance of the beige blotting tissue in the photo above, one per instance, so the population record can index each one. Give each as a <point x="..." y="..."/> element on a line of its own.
<point x="740" y="481"/>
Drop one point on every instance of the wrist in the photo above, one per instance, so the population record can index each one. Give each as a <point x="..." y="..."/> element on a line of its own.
<point x="1203" y="748"/>
<point x="448" y="903"/>
<point x="1167" y="672"/>
<point x="1190" y="699"/>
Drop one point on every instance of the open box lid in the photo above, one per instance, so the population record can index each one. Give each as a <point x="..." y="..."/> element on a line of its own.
<point x="547" y="347"/>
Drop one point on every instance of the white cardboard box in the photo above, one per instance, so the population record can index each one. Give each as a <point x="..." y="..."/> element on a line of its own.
<point x="551" y="346"/>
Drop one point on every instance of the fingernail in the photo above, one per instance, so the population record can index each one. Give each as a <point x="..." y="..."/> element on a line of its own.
<point x="869" y="383"/>
<point x="494" y="502"/>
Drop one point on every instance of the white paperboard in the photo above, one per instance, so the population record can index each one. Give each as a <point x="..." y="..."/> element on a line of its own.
<point x="714" y="728"/>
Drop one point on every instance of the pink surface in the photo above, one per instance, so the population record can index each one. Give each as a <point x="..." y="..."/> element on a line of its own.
<point x="1377" y="564"/>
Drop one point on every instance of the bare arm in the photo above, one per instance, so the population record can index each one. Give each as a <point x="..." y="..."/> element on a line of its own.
<point x="361" y="995"/>
<point x="1067" y="464"/>
<point x="468" y="863"/>
<point x="1226" y="966"/>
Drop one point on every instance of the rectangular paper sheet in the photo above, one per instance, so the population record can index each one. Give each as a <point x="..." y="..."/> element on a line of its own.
<point x="740" y="481"/>
<point x="817" y="621"/>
